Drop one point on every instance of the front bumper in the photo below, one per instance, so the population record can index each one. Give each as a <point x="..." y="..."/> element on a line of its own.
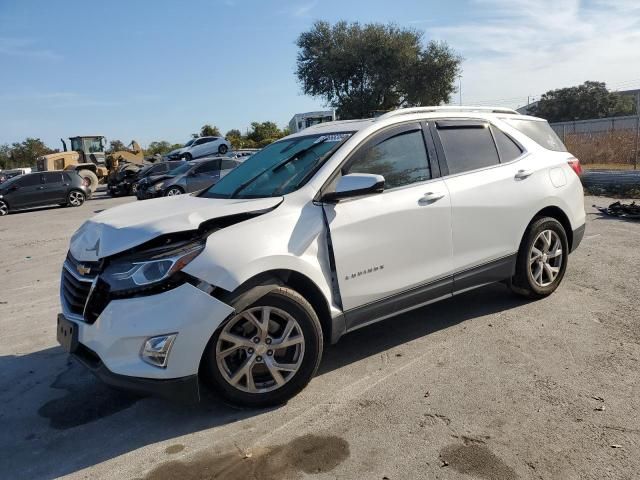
<point x="184" y="389"/>
<point x="114" y="341"/>
<point x="148" y="193"/>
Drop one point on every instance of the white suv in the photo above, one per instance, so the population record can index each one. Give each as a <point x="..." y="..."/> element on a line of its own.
<point x="322" y="232"/>
<point x="200" y="147"/>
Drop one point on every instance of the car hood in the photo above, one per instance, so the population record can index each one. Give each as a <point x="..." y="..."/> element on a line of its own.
<point x="121" y="228"/>
<point x="151" y="179"/>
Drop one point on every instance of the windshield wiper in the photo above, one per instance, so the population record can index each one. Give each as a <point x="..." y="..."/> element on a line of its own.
<point x="277" y="166"/>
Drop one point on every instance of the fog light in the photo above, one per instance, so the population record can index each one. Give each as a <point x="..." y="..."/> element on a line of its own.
<point x="155" y="350"/>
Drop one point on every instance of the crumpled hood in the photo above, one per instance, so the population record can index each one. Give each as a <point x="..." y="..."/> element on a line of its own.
<point x="126" y="226"/>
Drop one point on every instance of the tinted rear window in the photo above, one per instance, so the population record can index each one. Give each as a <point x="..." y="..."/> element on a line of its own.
<point x="506" y="147"/>
<point x="52" y="177"/>
<point x="467" y="148"/>
<point x="539" y="131"/>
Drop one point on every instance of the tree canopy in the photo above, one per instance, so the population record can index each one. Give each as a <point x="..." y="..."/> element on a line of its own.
<point x="209" y="131"/>
<point x="582" y="102"/>
<point x="360" y="69"/>
<point x="22" y="154"/>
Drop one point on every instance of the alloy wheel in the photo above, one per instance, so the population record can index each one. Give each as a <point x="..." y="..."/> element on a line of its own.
<point x="173" y="191"/>
<point x="260" y="349"/>
<point x="76" y="199"/>
<point x="545" y="258"/>
<point x="4" y="210"/>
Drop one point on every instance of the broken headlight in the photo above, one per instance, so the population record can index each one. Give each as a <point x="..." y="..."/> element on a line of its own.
<point x="150" y="267"/>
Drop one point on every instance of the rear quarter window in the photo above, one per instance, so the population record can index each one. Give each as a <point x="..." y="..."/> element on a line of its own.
<point x="539" y="131"/>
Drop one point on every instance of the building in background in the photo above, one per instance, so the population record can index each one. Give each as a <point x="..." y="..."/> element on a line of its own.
<point x="300" y="121"/>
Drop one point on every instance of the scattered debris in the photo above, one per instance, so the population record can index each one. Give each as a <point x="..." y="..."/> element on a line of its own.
<point x="443" y="463"/>
<point x="624" y="210"/>
<point x="595" y="397"/>
<point x="600" y="408"/>
<point x="426" y="394"/>
<point x="615" y="445"/>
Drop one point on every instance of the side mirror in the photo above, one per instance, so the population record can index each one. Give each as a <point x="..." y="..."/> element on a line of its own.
<point x="355" y="185"/>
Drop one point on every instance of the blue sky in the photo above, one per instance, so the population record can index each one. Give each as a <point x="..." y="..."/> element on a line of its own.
<point x="151" y="70"/>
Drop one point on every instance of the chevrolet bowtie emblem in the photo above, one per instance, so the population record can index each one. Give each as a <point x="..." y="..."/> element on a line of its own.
<point x="82" y="270"/>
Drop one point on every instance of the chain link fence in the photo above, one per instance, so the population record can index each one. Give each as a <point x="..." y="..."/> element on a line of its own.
<point x="603" y="143"/>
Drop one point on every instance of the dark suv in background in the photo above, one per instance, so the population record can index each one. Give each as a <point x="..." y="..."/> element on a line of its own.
<point x="43" y="188"/>
<point x="187" y="178"/>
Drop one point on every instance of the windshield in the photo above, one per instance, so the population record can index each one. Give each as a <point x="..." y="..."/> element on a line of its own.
<point x="277" y="169"/>
<point x="184" y="168"/>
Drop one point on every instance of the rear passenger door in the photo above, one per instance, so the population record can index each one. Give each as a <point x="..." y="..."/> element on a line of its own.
<point x="227" y="166"/>
<point x="204" y="176"/>
<point x="490" y="202"/>
<point x="55" y="188"/>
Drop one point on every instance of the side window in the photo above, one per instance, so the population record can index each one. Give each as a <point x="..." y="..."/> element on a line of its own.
<point x="228" y="164"/>
<point x="29" y="180"/>
<point x="67" y="177"/>
<point x="401" y="160"/>
<point x="52" y="177"/>
<point x="209" y="167"/>
<point x="198" y="142"/>
<point x="467" y="146"/>
<point x="506" y="147"/>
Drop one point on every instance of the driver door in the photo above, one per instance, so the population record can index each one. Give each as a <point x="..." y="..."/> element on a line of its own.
<point x="393" y="249"/>
<point x="204" y="176"/>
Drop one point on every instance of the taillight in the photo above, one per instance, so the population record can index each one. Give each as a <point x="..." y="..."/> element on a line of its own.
<point x="85" y="182"/>
<point x="574" y="163"/>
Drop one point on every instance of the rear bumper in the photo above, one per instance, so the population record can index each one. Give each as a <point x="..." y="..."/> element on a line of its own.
<point x="183" y="389"/>
<point x="578" y="234"/>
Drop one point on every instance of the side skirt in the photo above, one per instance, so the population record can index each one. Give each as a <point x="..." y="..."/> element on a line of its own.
<point x="491" y="272"/>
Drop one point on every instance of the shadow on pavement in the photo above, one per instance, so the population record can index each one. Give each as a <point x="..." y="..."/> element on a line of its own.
<point x="57" y="418"/>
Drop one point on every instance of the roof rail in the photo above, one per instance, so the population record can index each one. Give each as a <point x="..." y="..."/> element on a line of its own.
<point x="410" y="110"/>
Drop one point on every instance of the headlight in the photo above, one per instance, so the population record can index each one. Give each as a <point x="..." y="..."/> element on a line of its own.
<point x="158" y="186"/>
<point x="151" y="267"/>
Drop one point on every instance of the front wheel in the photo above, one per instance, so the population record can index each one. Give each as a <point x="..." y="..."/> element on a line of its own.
<point x="542" y="259"/>
<point x="173" y="191"/>
<point x="4" y="208"/>
<point x="186" y="156"/>
<point x="75" y="198"/>
<point x="266" y="353"/>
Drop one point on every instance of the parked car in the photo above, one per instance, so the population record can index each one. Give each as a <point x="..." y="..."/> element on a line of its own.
<point x="127" y="180"/>
<point x="7" y="174"/>
<point x="201" y="147"/>
<point x="320" y="233"/>
<point x="43" y="188"/>
<point x="188" y="177"/>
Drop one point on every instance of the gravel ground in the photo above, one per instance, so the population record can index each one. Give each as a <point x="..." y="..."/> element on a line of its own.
<point x="484" y="385"/>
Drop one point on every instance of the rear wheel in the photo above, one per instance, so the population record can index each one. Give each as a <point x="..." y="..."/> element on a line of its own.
<point x="222" y="149"/>
<point x="75" y="198"/>
<point x="266" y="353"/>
<point x="542" y="259"/>
<point x="91" y="177"/>
<point x="4" y="208"/>
<point x="173" y="191"/>
<point x="186" y="156"/>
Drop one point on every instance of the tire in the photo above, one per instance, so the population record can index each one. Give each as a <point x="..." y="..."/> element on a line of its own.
<point x="301" y="359"/>
<point x="92" y="177"/>
<point x="134" y="188"/>
<point x="173" y="191"/>
<point x="75" y="198"/>
<point x="4" y="208"/>
<point x="542" y="259"/>
<point x="186" y="156"/>
<point x="223" y="148"/>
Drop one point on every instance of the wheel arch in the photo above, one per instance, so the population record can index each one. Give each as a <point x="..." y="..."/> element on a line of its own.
<point x="556" y="212"/>
<point x="261" y="284"/>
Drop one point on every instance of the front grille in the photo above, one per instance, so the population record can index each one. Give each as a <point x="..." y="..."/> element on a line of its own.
<point x="75" y="289"/>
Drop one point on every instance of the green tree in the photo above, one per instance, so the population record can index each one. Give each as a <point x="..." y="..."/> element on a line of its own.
<point x="209" y="131"/>
<point x="360" y="69"/>
<point x="160" y="147"/>
<point x="116" y="146"/>
<point x="264" y="133"/>
<point x="582" y="102"/>
<point x="24" y="154"/>
<point x="235" y="137"/>
<point x="5" y="156"/>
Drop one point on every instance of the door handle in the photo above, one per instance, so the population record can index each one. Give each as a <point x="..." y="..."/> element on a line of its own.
<point x="40" y="188"/>
<point x="431" y="197"/>
<point x="522" y="174"/>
